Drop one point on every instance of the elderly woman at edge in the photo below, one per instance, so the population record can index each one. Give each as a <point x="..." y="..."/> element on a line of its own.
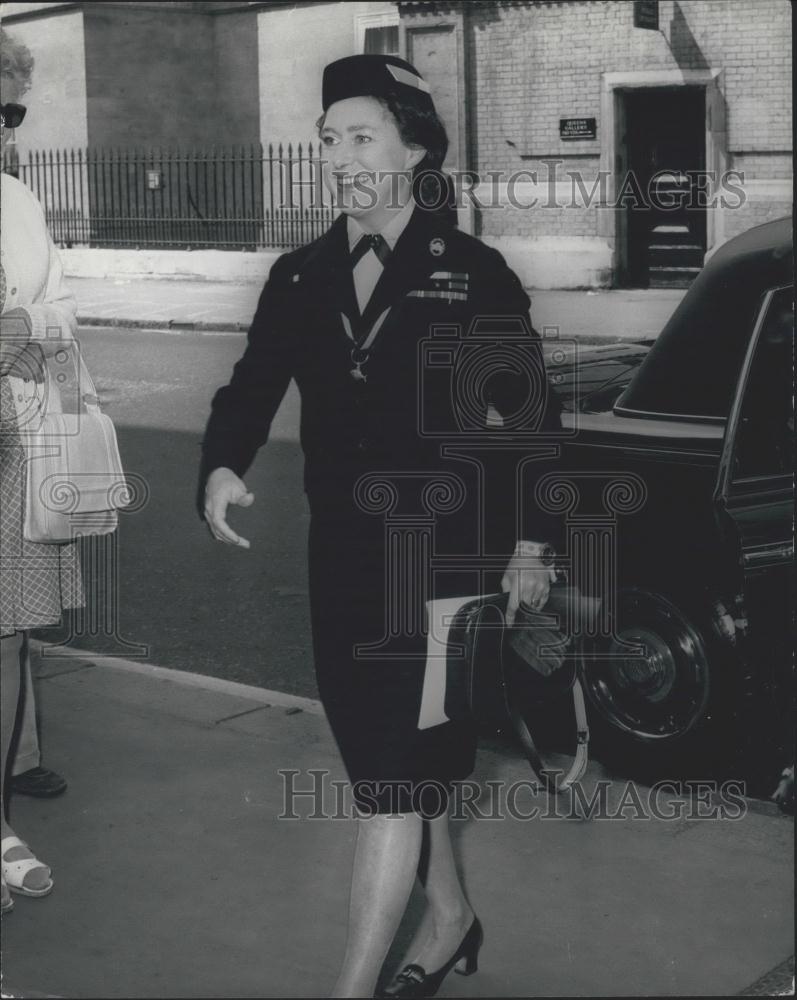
<point x="38" y="315"/>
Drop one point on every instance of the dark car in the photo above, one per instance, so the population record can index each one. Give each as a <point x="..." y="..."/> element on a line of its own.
<point x="680" y="516"/>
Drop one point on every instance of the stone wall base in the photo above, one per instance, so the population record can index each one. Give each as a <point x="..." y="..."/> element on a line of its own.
<point x="557" y="262"/>
<point x="573" y="262"/>
<point x="196" y="265"/>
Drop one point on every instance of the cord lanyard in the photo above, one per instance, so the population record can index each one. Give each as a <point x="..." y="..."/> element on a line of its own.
<point x="359" y="353"/>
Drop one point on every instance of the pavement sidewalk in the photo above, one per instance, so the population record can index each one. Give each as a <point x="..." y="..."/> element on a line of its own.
<point x="589" y="316"/>
<point x="176" y="877"/>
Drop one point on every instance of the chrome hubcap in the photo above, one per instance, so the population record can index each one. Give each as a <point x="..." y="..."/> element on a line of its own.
<point x="650" y="675"/>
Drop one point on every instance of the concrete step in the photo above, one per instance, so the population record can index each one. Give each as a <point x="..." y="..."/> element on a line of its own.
<point x="672" y="235"/>
<point x="672" y="277"/>
<point x="675" y="255"/>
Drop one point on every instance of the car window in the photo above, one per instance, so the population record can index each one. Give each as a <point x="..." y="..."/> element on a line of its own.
<point x="764" y="444"/>
<point x="694" y="365"/>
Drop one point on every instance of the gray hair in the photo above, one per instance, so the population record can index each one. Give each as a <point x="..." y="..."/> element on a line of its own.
<point x="16" y="62"/>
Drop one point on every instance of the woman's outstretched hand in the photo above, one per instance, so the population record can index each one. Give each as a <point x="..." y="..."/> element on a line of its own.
<point x="223" y="488"/>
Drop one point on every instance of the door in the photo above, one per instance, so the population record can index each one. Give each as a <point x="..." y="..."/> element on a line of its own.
<point x="716" y="154"/>
<point x="755" y="504"/>
<point x="665" y="220"/>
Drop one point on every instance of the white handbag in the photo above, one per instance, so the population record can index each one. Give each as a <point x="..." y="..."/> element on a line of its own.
<point x="74" y="478"/>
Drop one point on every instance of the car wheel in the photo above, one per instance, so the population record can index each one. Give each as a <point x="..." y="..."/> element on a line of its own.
<point x="650" y="682"/>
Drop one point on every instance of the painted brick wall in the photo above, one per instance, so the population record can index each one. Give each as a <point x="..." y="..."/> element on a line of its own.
<point x="237" y="77"/>
<point x="149" y="77"/>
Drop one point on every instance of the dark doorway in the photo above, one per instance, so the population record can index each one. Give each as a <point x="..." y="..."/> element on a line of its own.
<point x="665" y="145"/>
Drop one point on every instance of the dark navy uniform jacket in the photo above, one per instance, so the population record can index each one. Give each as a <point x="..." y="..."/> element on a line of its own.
<point x="456" y="340"/>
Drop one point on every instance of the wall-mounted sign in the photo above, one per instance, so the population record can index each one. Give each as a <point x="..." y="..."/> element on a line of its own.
<point x="646" y="14"/>
<point x="577" y="128"/>
<point x="153" y="179"/>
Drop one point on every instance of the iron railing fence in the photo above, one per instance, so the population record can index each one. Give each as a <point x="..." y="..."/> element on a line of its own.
<point x="227" y="198"/>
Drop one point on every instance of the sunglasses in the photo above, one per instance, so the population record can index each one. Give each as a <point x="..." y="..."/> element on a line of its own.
<point x="11" y="115"/>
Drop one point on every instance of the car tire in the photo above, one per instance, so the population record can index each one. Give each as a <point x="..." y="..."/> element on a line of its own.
<point x="658" y="687"/>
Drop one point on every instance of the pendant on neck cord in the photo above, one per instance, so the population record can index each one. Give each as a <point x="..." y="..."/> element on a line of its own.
<point x="358" y="359"/>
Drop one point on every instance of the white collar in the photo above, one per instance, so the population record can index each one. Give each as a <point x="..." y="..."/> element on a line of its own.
<point x="391" y="232"/>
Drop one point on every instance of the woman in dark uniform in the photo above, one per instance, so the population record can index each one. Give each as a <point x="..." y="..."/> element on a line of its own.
<point x="350" y="317"/>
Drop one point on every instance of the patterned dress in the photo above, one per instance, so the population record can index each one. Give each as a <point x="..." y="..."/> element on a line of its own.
<point x="36" y="581"/>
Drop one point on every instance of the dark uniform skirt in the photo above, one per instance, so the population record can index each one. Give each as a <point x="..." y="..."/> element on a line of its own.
<point x="369" y="634"/>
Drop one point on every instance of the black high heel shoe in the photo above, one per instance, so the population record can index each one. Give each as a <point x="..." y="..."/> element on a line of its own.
<point x="414" y="981"/>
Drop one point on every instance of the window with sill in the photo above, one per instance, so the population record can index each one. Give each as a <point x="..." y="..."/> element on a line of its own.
<point x="377" y="33"/>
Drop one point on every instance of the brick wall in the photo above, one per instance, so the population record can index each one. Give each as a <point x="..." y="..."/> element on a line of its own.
<point x="536" y="62"/>
<point x="532" y="63"/>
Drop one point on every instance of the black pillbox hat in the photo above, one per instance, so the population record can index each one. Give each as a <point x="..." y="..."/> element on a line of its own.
<point x="373" y="76"/>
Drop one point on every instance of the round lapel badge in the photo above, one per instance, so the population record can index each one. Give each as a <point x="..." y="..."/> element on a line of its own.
<point x="437" y="247"/>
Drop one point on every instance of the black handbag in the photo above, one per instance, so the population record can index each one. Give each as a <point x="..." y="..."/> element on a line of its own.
<point x="494" y="672"/>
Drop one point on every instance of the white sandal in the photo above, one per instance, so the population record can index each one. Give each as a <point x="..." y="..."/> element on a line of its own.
<point x="7" y="904"/>
<point x="14" y="872"/>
